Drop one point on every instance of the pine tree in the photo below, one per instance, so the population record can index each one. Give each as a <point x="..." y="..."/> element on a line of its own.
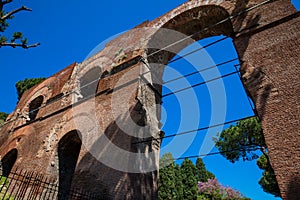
<point x="178" y="183"/>
<point x="268" y="180"/>
<point x="242" y="141"/>
<point x="167" y="178"/>
<point x="201" y="173"/>
<point x="189" y="180"/>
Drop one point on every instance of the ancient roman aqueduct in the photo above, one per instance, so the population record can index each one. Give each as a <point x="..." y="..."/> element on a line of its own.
<point x="61" y="128"/>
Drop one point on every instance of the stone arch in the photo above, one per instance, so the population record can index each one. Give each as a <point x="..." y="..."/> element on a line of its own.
<point x="8" y="161"/>
<point x="21" y="112"/>
<point x="89" y="82"/>
<point x="44" y="88"/>
<point x="68" y="152"/>
<point x="268" y="66"/>
<point x="34" y="107"/>
<point x="183" y="26"/>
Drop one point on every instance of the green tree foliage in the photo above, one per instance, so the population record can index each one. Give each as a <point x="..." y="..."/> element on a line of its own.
<point x="26" y="84"/>
<point x="4" y="194"/>
<point x="178" y="184"/>
<point x="17" y="39"/>
<point x="268" y="180"/>
<point x="202" y="174"/>
<point x="182" y="182"/>
<point x="167" y="178"/>
<point x="189" y="180"/>
<point x="170" y="184"/>
<point x="3" y="117"/>
<point x="242" y="142"/>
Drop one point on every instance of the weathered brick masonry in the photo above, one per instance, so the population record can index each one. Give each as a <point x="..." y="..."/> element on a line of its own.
<point x="104" y="119"/>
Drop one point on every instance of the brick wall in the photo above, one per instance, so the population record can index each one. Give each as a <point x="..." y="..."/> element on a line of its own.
<point x="125" y="108"/>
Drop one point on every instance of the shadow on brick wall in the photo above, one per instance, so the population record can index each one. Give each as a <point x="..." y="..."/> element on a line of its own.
<point x="109" y="183"/>
<point x="293" y="192"/>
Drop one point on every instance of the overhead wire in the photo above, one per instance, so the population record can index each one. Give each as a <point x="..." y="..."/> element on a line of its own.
<point x="199" y="49"/>
<point x="198" y="32"/>
<point x="190" y="74"/>
<point x="194" y="130"/>
<point x="201" y="70"/>
<point x="185" y="55"/>
<point x="198" y="84"/>
<point x="215" y="153"/>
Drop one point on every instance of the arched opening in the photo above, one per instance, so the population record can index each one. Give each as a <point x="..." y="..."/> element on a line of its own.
<point x="202" y="94"/>
<point x="34" y="107"/>
<point x="68" y="151"/>
<point x="8" y="161"/>
<point x="89" y="82"/>
<point x="205" y="102"/>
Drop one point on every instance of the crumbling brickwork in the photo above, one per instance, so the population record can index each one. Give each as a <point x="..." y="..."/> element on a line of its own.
<point x="112" y="100"/>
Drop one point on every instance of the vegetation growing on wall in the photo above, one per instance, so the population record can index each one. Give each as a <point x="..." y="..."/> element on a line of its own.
<point x="26" y="84"/>
<point x="3" y="117"/>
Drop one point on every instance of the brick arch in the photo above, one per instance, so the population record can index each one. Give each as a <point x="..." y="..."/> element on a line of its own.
<point x="20" y="135"/>
<point x="34" y="107"/>
<point x="84" y="80"/>
<point x="89" y="81"/>
<point x="268" y="48"/>
<point x="21" y="140"/>
<point x="29" y="96"/>
<point x="68" y="149"/>
<point x="181" y="26"/>
<point x="41" y="89"/>
<point x="265" y="42"/>
<point x="197" y="18"/>
<point x="8" y="161"/>
<point x="78" y="119"/>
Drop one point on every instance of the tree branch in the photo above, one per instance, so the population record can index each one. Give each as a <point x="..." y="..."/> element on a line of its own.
<point x="6" y="2"/>
<point x="9" y="14"/>
<point x="14" y="45"/>
<point x="2" y="3"/>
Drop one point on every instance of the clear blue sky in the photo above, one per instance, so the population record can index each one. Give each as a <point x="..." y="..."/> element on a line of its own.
<point x="69" y="30"/>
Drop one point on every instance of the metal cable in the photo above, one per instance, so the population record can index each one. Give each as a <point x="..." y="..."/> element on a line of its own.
<point x="202" y="70"/>
<point x="195" y="130"/>
<point x="198" y="84"/>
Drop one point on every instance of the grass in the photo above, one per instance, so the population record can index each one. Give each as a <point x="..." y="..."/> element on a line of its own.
<point x="3" y="186"/>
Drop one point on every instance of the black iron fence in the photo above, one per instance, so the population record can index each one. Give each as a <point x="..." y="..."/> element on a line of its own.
<point x="24" y="185"/>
